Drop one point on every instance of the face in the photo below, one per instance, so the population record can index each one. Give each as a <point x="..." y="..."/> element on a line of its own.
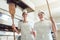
<point x="40" y="15"/>
<point x="24" y="15"/>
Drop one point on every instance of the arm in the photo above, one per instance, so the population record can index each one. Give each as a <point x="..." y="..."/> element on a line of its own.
<point x="33" y="32"/>
<point x="53" y="26"/>
<point x="19" y="30"/>
<point x="13" y="26"/>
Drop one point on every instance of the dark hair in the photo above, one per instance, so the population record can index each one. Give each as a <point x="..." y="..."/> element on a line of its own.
<point x="24" y="13"/>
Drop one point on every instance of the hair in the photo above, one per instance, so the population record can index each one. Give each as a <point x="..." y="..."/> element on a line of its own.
<point x="41" y="13"/>
<point x="24" y="13"/>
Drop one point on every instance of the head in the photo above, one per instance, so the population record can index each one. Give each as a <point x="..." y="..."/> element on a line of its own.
<point x="41" y="15"/>
<point x="24" y="14"/>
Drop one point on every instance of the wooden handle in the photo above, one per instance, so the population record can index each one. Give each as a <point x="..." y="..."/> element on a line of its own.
<point x="51" y="16"/>
<point x="48" y="7"/>
<point x="12" y="8"/>
<point x="12" y="12"/>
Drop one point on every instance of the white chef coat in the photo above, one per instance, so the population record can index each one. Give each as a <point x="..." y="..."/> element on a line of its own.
<point x="43" y="30"/>
<point x="25" y="31"/>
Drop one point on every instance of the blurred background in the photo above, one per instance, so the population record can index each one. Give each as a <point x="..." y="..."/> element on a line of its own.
<point x="33" y="6"/>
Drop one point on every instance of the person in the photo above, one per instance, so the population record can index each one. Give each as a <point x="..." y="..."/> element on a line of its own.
<point x="43" y="28"/>
<point x="24" y="27"/>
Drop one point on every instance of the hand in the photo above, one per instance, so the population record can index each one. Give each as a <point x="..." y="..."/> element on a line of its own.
<point x="13" y="26"/>
<point x="55" y="34"/>
<point x="34" y="34"/>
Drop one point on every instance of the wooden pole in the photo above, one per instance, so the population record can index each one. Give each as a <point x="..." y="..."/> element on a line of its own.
<point x="12" y="12"/>
<point x="12" y="27"/>
<point x="12" y="8"/>
<point x="53" y="23"/>
<point x="48" y="7"/>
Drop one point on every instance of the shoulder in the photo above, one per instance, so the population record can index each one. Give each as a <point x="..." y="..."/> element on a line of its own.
<point x="47" y="21"/>
<point x="20" y="22"/>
